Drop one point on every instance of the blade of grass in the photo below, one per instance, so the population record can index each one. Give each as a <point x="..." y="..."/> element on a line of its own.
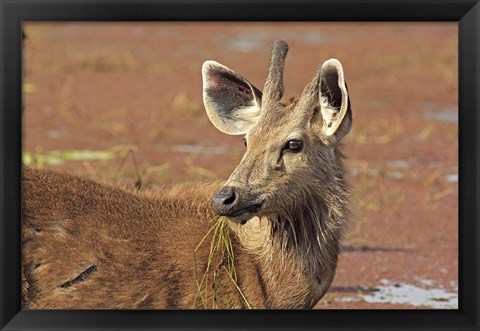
<point x="221" y="250"/>
<point x="238" y="289"/>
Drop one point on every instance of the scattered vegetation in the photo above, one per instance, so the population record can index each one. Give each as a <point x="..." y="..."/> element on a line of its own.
<point x="59" y="157"/>
<point x="107" y="59"/>
<point x="186" y="105"/>
<point x="29" y="88"/>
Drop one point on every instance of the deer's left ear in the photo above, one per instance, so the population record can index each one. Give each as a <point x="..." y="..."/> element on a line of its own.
<point x="334" y="101"/>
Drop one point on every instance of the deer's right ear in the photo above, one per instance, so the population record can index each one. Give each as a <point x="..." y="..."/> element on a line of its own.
<point x="232" y="102"/>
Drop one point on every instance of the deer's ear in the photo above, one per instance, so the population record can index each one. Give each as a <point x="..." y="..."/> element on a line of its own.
<point x="232" y="102"/>
<point x="334" y="101"/>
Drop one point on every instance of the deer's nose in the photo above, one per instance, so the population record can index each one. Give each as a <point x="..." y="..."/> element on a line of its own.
<point x="224" y="200"/>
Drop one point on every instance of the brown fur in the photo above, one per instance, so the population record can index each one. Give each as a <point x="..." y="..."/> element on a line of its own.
<point x="140" y="242"/>
<point x="87" y="244"/>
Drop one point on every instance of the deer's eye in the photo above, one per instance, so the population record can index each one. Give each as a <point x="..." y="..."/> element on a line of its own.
<point x="245" y="142"/>
<point x="293" y="145"/>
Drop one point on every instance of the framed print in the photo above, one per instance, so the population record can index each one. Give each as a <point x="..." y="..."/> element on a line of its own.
<point x="240" y="165"/>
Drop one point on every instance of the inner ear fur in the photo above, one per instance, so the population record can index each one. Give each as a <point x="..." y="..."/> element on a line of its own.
<point x="334" y="100"/>
<point x="232" y="102"/>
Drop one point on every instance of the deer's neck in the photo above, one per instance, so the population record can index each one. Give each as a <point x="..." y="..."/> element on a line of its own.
<point x="311" y="242"/>
<point x="288" y="259"/>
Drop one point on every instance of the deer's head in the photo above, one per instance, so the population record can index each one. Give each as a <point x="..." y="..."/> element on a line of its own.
<point x="291" y="149"/>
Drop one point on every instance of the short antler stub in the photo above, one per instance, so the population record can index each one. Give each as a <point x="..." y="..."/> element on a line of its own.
<point x="273" y="90"/>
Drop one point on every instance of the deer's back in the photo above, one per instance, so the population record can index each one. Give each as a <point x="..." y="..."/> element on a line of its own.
<point x="87" y="244"/>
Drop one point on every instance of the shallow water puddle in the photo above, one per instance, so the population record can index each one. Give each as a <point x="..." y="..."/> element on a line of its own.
<point x="399" y="164"/>
<point x="452" y="178"/>
<point x="443" y="116"/>
<point x="250" y="41"/>
<point x="396" y="293"/>
<point x="441" y="113"/>
<point x="199" y="149"/>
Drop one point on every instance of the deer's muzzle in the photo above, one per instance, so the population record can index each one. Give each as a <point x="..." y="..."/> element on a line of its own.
<point x="229" y="202"/>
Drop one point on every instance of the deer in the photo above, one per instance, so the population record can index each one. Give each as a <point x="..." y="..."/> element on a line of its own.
<point x="90" y="244"/>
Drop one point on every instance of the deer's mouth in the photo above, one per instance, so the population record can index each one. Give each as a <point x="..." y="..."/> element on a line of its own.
<point x="249" y="209"/>
<point x="241" y="214"/>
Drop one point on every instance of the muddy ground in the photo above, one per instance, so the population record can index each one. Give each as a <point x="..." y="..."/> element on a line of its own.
<point x="123" y="102"/>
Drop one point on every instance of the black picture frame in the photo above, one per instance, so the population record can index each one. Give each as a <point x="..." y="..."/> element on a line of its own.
<point x="14" y="12"/>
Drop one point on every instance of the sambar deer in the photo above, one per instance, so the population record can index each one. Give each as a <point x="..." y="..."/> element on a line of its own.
<point x="91" y="245"/>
